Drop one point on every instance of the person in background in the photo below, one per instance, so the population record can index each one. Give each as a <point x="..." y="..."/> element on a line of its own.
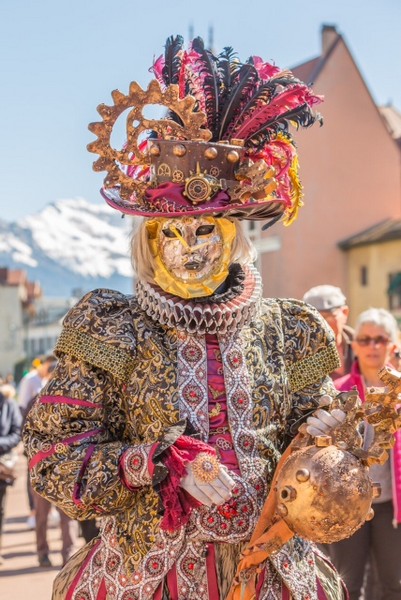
<point x="10" y="435"/>
<point x="379" y="540"/>
<point x="31" y="384"/>
<point x="68" y="529"/>
<point x="29" y="387"/>
<point x="332" y="305"/>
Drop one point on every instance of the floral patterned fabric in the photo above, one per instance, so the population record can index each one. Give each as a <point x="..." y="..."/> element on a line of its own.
<point x="121" y="381"/>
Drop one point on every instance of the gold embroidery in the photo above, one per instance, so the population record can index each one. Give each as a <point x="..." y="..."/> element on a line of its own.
<point x="311" y="369"/>
<point x="215" y="393"/>
<point x="216" y="410"/>
<point x="60" y="448"/>
<point x="85" y="347"/>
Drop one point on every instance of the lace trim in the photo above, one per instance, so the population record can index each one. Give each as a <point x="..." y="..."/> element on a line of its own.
<point x="203" y="317"/>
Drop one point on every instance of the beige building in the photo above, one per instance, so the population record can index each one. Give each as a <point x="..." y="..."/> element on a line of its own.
<point x="29" y="323"/>
<point x="45" y="325"/>
<point x="351" y="173"/>
<point x="17" y="295"/>
<point x="374" y="267"/>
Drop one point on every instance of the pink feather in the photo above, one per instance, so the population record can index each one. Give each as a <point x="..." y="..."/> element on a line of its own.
<point x="187" y="62"/>
<point x="288" y="100"/>
<point x="264" y="69"/>
<point x="157" y="69"/>
<point x="195" y="78"/>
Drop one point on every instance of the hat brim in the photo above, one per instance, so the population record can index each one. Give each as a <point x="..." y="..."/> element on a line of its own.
<point x="255" y="210"/>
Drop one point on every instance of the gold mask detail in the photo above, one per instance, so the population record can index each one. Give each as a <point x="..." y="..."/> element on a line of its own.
<point x="191" y="254"/>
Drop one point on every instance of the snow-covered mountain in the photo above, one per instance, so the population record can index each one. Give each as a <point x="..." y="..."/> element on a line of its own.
<point x="70" y="244"/>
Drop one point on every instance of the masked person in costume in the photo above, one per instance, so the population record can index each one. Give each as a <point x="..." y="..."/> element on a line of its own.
<point x="168" y="410"/>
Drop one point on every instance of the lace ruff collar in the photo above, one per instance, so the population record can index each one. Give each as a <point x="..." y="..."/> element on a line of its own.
<point x="221" y="313"/>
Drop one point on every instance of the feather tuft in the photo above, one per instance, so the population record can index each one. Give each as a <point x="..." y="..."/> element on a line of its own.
<point x="292" y="104"/>
<point x="205" y="66"/>
<point x="157" y="70"/>
<point x="172" y="59"/>
<point x="244" y="84"/>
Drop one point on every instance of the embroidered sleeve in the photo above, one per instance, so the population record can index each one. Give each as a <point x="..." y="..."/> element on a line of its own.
<point x="75" y="442"/>
<point x="310" y="356"/>
<point x="98" y="330"/>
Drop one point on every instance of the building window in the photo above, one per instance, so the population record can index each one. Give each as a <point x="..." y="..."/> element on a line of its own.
<point x="394" y="291"/>
<point x="364" y="276"/>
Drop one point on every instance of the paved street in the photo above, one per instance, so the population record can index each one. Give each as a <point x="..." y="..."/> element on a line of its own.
<point x="20" y="577"/>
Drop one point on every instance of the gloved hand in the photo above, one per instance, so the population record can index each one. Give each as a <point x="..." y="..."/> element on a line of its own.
<point x="217" y="491"/>
<point x="324" y="421"/>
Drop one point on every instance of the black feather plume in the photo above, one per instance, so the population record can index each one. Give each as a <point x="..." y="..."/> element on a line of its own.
<point x="302" y="116"/>
<point x="244" y="83"/>
<point x="209" y="75"/>
<point x="172" y="59"/>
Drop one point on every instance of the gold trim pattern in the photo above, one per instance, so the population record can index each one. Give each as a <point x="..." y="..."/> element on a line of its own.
<point x="205" y="468"/>
<point x="311" y="369"/>
<point x="85" y="347"/>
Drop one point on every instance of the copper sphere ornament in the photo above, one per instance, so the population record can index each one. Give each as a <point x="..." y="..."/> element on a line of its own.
<point x="210" y="153"/>
<point x="324" y="494"/>
<point x="233" y="156"/>
<point x="154" y="150"/>
<point x="179" y="150"/>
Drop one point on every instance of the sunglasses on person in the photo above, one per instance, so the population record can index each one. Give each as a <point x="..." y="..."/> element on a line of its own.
<point x="379" y="340"/>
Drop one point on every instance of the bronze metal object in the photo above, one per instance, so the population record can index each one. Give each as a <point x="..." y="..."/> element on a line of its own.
<point x="111" y="160"/>
<point x="211" y="153"/>
<point x="333" y="502"/>
<point x="302" y="474"/>
<point x="198" y="188"/>
<point x="179" y="150"/>
<point x="233" y="156"/>
<point x="154" y="150"/>
<point x="326" y="487"/>
<point x="199" y="157"/>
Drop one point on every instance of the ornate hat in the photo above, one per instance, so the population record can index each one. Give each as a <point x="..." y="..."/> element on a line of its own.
<point x="223" y="146"/>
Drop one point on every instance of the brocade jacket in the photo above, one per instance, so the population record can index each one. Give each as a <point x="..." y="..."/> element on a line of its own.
<point x="130" y="369"/>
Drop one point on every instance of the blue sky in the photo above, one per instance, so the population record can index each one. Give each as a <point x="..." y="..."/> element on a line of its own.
<point x="59" y="60"/>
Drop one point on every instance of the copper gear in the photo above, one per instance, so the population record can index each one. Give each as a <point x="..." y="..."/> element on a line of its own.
<point x="110" y="160"/>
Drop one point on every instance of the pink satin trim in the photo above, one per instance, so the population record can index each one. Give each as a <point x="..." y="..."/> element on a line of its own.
<point x="219" y="422"/>
<point x="151" y="466"/>
<point x="172" y="583"/>
<point x="321" y="595"/>
<point x="173" y="192"/>
<point x="77" y="577"/>
<point x="158" y="595"/>
<point x="213" y="586"/>
<point x="66" y="400"/>
<point x="76" y="438"/>
<point x="260" y="582"/>
<point x="102" y="593"/>
<point x="285" y="594"/>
